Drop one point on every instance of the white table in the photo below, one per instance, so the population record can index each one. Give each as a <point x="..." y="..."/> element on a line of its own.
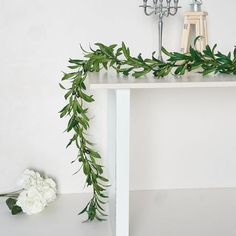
<point x="119" y="129"/>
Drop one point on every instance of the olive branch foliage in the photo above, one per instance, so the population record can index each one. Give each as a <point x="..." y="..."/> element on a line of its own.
<point x="121" y="60"/>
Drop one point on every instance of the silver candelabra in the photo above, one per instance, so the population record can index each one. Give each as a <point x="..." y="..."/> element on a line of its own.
<point x="161" y="9"/>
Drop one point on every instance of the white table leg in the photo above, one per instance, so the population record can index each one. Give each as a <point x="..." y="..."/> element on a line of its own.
<point x="118" y="154"/>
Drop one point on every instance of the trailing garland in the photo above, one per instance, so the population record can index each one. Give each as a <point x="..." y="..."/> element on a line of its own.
<point x="120" y="59"/>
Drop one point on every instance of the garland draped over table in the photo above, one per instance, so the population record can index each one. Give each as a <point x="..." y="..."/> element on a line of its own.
<point x="120" y="59"/>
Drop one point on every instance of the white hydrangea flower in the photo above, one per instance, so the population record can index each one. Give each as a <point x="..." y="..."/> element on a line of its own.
<point x="37" y="192"/>
<point x="51" y="183"/>
<point x="48" y="190"/>
<point x="30" y="179"/>
<point x="31" y="201"/>
<point x="49" y="195"/>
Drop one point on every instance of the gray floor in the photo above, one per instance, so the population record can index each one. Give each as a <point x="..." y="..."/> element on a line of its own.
<point x="163" y="213"/>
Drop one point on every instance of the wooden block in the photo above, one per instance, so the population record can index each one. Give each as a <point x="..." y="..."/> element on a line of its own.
<point x="193" y="13"/>
<point x="197" y="20"/>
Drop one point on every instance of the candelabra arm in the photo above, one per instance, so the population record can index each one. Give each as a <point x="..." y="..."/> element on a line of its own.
<point x="147" y="13"/>
<point x="160" y="35"/>
<point x="146" y="7"/>
<point x="172" y="13"/>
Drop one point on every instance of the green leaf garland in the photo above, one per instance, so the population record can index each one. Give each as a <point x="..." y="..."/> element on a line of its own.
<point x="120" y="59"/>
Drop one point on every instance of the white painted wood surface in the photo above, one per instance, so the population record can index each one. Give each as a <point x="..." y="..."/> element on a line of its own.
<point x="110" y="80"/>
<point x="122" y="161"/>
<point x="111" y="146"/>
<point x="118" y="152"/>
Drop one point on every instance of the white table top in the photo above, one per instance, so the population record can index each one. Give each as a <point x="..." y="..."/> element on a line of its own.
<point x="112" y="80"/>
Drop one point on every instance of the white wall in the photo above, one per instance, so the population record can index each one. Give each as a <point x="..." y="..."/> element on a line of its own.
<point x="185" y="138"/>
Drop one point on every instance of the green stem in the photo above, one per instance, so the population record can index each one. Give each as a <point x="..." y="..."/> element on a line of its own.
<point x="11" y="194"/>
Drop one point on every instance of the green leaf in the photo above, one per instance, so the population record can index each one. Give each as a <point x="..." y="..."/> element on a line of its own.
<point x="79" y="108"/>
<point x="95" y="154"/>
<point x="125" y="71"/>
<point x="66" y="108"/>
<point x="63" y="114"/>
<point x="86" y="97"/>
<point x="11" y="203"/>
<point x="71" y="124"/>
<point x="86" y="168"/>
<point x="76" y="61"/>
<point x="16" y="210"/>
<point x="113" y="46"/>
<point x="73" y="67"/>
<point x="196" y="39"/>
<point x="62" y="86"/>
<point x="208" y="51"/>
<point x="83" y="49"/>
<point x="208" y="71"/>
<point x="101" y="212"/>
<point x="166" y="52"/>
<point x="99" y="219"/>
<point x="234" y="52"/>
<point x="102" y="178"/>
<point x="125" y="51"/>
<point x="102" y="202"/>
<point x="84" y="210"/>
<point x="195" y="55"/>
<point x="68" y="94"/>
<point x="72" y="140"/>
<point x="68" y="76"/>
<point x="181" y="69"/>
<point x="138" y="74"/>
<point x="106" y="50"/>
<point x="103" y="196"/>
